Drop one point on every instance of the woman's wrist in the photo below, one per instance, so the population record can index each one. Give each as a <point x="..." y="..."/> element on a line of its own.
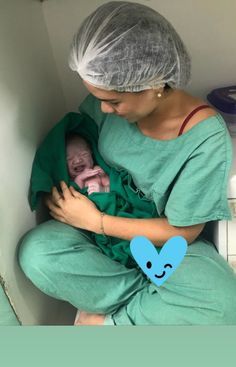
<point x="98" y="227"/>
<point x="102" y="224"/>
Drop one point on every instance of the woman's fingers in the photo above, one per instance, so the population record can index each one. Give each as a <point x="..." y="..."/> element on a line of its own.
<point x="57" y="217"/>
<point x="54" y="208"/>
<point x="51" y="201"/>
<point x="56" y="196"/>
<point x="65" y="190"/>
<point x="67" y="193"/>
<point x="75" y="193"/>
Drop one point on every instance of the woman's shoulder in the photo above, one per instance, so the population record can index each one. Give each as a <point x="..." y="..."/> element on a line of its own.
<point x="198" y="116"/>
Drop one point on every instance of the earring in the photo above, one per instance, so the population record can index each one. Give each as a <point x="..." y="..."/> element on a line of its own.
<point x="159" y="95"/>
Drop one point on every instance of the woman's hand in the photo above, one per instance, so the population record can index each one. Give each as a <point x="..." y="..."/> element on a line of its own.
<point x="73" y="208"/>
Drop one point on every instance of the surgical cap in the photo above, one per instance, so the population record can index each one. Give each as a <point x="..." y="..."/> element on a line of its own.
<point x="129" y="47"/>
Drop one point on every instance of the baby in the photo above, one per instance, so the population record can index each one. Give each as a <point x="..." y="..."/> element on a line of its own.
<point x="81" y="166"/>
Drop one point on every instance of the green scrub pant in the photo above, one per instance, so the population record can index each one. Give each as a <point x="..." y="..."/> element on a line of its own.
<point x="64" y="263"/>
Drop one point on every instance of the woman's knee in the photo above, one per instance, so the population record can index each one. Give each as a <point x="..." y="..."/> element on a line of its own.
<point x="40" y="247"/>
<point x="227" y="298"/>
<point x="32" y="254"/>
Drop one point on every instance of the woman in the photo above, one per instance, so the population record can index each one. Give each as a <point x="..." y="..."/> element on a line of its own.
<point x="178" y="152"/>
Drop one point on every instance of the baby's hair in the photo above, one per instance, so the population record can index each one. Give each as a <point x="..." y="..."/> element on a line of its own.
<point x="70" y="137"/>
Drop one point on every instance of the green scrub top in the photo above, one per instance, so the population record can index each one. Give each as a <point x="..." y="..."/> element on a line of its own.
<point x="186" y="177"/>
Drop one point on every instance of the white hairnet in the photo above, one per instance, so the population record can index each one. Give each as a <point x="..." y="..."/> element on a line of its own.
<point x="127" y="46"/>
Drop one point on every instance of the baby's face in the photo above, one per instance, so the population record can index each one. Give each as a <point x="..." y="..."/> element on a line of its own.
<point x="78" y="157"/>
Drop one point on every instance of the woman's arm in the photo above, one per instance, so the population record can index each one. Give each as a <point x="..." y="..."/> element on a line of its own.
<point x="77" y="210"/>
<point x="158" y="230"/>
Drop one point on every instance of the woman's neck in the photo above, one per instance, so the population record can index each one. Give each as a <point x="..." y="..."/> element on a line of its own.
<point x="164" y="122"/>
<point x="174" y="106"/>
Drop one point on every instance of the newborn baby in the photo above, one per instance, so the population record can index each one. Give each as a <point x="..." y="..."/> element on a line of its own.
<point x="81" y="166"/>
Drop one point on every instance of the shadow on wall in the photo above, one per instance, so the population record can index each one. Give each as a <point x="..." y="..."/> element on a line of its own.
<point x="209" y="230"/>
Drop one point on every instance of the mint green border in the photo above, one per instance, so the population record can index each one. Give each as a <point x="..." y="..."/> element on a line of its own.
<point x="122" y="346"/>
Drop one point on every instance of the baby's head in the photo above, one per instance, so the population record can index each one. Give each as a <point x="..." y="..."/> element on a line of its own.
<point x="78" y="155"/>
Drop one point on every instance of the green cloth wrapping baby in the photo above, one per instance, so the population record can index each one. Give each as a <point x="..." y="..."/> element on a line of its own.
<point x="50" y="166"/>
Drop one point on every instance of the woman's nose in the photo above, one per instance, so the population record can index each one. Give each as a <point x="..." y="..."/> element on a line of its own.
<point x="106" y="108"/>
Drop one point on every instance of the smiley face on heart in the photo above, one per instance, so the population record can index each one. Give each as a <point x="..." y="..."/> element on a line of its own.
<point x="158" y="266"/>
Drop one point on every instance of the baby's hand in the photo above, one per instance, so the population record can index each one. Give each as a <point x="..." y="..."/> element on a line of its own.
<point x="88" y="173"/>
<point x="99" y="170"/>
<point x="94" y="187"/>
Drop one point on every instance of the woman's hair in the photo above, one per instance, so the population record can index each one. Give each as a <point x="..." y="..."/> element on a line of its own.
<point x="126" y="47"/>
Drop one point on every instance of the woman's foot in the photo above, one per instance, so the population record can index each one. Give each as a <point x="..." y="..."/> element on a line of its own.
<point x="85" y="318"/>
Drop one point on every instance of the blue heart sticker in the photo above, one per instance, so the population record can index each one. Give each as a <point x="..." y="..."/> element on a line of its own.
<point x="158" y="267"/>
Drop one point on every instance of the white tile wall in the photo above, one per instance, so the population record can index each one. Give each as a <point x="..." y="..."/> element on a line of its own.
<point x="231" y="225"/>
<point x="232" y="262"/>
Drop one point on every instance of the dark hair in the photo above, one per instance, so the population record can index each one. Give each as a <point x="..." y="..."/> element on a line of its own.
<point x="72" y="136"/>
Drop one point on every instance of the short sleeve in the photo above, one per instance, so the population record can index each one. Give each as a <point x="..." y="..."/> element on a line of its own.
<point x="199" y="193"/>
<point x="91" y="106"/>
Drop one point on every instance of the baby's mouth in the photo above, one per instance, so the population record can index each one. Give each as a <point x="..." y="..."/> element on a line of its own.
<point x="79" y="169"/>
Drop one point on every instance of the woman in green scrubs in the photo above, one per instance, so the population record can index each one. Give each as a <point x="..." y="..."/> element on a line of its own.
<point x="178" y="152"/>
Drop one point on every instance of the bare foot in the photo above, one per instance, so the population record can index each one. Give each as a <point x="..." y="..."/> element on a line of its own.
<point x="85" y="318"/>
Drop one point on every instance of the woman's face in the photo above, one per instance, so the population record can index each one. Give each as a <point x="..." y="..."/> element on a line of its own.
<point x="129" y="105"/>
